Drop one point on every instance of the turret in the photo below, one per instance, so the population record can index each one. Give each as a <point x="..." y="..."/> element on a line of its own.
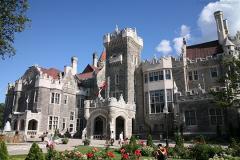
<point x="222" y="28"/>
<point x="95" y="59"/>
<point x="74" y="65"/>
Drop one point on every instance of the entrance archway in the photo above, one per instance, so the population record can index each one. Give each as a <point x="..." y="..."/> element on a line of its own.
<point x="120" y="126"/>
<point x="32" y="124"/>
<point x="99" y="127"/>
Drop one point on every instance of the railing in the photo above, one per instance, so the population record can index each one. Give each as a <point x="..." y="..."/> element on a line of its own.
<point x="32" y="132"/>
<point x="98" y="136"/>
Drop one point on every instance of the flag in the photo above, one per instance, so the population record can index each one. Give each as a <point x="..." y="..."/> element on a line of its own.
<point x="103" y="86"/>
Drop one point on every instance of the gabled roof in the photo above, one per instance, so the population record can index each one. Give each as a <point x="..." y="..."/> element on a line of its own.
<point x="83" y="76"/>
<point x="53" y="72"/>
<point x="90" y="68"/>
<point x="204" y="49"/>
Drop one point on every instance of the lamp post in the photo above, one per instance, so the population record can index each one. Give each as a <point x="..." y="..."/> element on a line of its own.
<point x="165" y="111"/>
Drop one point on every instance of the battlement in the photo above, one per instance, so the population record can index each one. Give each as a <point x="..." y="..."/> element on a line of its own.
<point x="126" y="32"/>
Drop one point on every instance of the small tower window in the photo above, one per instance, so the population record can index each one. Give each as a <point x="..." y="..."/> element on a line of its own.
<point x="116" y="79"/>
<point x="168" y="74"/>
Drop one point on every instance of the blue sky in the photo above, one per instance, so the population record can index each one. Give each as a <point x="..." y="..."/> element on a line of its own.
<point x="61" y="29"/>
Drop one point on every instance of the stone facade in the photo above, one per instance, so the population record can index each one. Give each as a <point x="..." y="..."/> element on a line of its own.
<point x="121" y="93"/>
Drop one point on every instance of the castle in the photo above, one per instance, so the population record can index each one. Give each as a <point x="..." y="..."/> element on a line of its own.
<point x="119" y="92"/>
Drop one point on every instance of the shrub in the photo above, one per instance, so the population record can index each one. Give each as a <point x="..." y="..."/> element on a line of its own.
<point x="133" y="140"/>
<point x="149" y="141"/>
<point x="200" y="139"/>
<point x="3" y="151"/>
<point x="35" y="153"/>
<point x="67" y="134"/>
<point x="179" y="140"/>
<point x="53" y="155"/>
<point x="147" y="151"/>
<point x="205" y="151"/>
<point x="65" y="140"/>
<point x="234" y="147"/>
<point x="86" y="142"/>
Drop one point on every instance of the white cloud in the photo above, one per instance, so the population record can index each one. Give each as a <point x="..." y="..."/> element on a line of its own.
<point x="164" y="47"/>
<point x="178" y="41"/>
<point x="206" y="20"/>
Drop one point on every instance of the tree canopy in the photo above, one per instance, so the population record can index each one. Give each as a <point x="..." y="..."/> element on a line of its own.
<point x="229" y="95"/>
<point x="1" y="115"/>
<point x="13" y="19"/>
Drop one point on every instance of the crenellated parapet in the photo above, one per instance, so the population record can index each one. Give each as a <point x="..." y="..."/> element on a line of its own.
<point x="126" y="32"/>
<point x="44" y="80"/>
<point x="155" y="63"/>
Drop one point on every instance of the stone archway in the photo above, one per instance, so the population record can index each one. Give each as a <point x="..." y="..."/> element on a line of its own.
<point x="120" y="126"/>
<point x="32" y="124"/>
<point x="99" y="129"/>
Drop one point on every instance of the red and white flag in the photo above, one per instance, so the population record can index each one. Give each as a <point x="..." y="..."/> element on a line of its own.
<point x="103" y="86"/>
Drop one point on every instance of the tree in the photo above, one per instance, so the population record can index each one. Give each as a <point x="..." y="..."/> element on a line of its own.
<point x="3" y="151"/>
<point x="229" y="96"/>
<point x="35" y="153"/>
<point x="1" y="115"/>
<point x="13" y="19"/>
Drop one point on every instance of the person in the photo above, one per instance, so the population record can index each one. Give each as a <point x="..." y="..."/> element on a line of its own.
<point x="161" y="153"/>
<point x="120" y="138"/>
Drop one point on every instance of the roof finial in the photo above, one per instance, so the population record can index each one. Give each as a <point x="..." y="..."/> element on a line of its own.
<point x="116" y="29"/>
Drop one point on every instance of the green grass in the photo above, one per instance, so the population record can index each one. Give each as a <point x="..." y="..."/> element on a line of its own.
<point x="18" y="157"/>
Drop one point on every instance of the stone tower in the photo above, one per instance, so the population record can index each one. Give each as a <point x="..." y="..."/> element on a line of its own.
<point x="123" y="49"/>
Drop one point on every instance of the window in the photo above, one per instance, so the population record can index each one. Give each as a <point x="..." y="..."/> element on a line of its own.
<point x="55" y="98"/>
<point x="81" y="124"/>
<point x="116" y="79"/>
<point x="55" y="123"/>
<point x="146" y="98"/>
<point x="52" y="97"/>
<point x="214" y="72"/>
<point x="52" y="122"/>
<point x="157" y="101"/>
<point x="151" y="77"/>
<point x="155" y="76"/>
<point x="161" y="76"/>
<point x="35" y="96"/>
<point x="64" y="124"/>
<point x="169" y="95"/>
<point x="190" y="77"/>
<point x="195" y="74"/>
<point x="216" y="116"/>
<point x="190" y="118"/>
<point x="78" y="122"/>
<point x="82" y="103"/>
<point x="145" y="78"/>
<point x="71" y="128"/>
<point x="71" y="115"/>
<point x="168" y="74"/>
<point x="65" y="101"/>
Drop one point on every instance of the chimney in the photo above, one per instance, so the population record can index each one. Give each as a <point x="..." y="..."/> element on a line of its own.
<point x="225" y="23"/>
<point x="74" y="65"/>
<point x="95" y="59"/>
<point x="220" y="26"/>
